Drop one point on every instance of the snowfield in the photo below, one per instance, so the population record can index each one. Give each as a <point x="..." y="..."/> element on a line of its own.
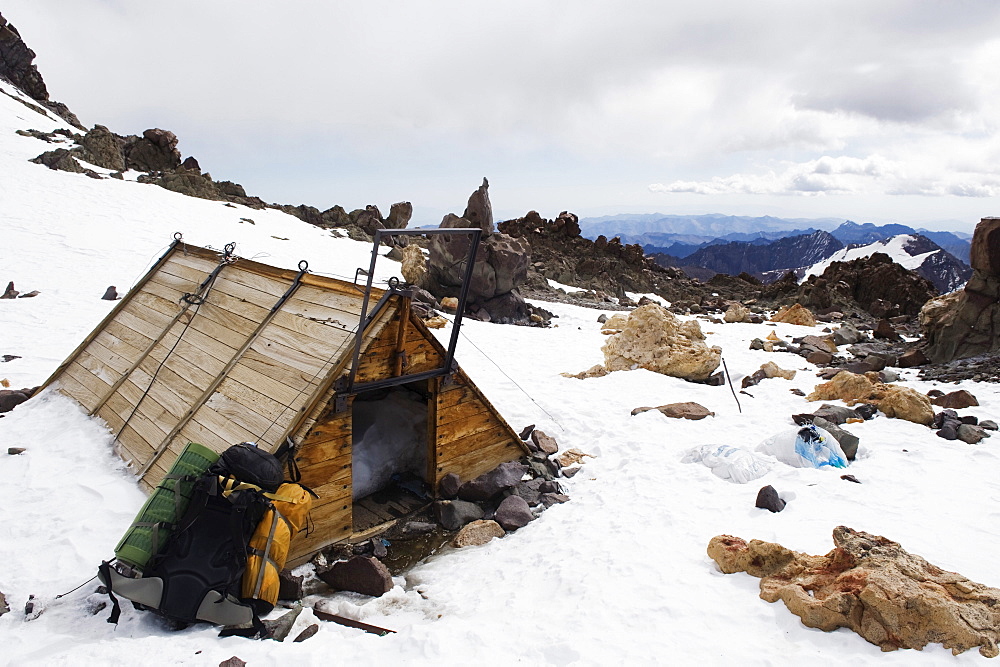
<point x="618" y="575"/>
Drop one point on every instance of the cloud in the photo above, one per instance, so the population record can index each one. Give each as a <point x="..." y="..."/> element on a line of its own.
<point x="843" y="175"/>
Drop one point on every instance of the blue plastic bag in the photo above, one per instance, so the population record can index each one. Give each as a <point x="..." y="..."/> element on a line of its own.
<point x="819" y="449"/>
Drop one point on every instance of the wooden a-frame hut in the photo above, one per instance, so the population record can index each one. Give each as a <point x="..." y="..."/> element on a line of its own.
<point x="216" y="349"/>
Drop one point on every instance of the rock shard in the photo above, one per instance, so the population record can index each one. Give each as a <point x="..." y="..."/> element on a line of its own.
<point x="871" y="585"/>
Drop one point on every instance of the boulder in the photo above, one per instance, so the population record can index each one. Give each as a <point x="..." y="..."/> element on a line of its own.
<point x="737" y="313"/>
<point x="414" y="265"/>
<point x="848" y="441"/>
<point x="912" y="357"/>
<point x="871" y="585"/>
<point x="362" y="574"/>
<point x="544" y="443"/>
<point x="110" y="294"/>
<point x="489" y="484"/>
<point x="796" y="314"/>
<point x="906" y="403"/>
<point x="767" y="499"/>
<point x="956" y="400"/>
<point x="513" y="513"/>
<point x="453" y="514"/>
<point x="653" y="338"/>
<point x="819" y="358"/>
<point x="971" y="434"/>
<point x="155" y="151"/>
<point x="477" y="533"/>
<point x="686" y="410"/>
<point x="885" y="331"/>
<point x="966" y="323"/>
<point x="847" y="334"/>
<point x="102" y="148"/>
<point x="449" y="485"/>
<point x="772" y="370"/>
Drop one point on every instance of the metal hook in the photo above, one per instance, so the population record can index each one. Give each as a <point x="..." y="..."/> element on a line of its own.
<point x="178" y="236"/>
<point x="303" y="265"/>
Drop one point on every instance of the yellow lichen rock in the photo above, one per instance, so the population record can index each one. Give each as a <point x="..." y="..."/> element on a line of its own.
<point x="906" y="403"/>
<point x="737" y="313"/>
<point x="655" y="339"/>
<point x="845" y="386"/>
<point x="774" y="371"/>
<point x="414" y="264"/>
<point x="895" y="401"/>
<point x="797" y="314"/>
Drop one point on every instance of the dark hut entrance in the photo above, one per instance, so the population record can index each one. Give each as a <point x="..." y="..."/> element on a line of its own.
<point x="390" y="453"/>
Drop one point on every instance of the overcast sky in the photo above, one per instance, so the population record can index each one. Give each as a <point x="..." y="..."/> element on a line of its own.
<point x="873" y="111"/>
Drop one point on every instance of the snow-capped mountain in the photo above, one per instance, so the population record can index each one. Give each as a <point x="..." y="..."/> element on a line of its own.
<point x="912" y="251"/>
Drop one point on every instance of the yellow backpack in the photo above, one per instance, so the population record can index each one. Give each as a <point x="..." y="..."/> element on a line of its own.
<point x="269" y="545"/>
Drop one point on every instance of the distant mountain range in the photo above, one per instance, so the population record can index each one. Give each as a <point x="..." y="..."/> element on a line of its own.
<point x="682" y="236"/>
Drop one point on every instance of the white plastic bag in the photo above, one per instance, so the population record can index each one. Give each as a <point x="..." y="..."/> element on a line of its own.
<point x="730" y="463"/>
<point x="805" y="447"/>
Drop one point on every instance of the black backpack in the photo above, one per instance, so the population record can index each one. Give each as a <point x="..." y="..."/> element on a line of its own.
<point x="197" y="575"/>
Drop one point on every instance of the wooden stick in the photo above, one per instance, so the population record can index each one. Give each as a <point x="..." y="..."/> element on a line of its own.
<point x="351" y="623"/>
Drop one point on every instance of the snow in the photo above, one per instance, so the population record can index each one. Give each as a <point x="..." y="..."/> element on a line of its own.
<point x="895" y="247"/>
<point x="618" y="575"/>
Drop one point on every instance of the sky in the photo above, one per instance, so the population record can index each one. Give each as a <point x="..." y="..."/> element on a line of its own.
<point x="873" y="112"/>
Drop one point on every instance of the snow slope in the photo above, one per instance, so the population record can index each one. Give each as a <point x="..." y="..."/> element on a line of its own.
<point x="618" y="575"/>
<point x="895" y="247"/>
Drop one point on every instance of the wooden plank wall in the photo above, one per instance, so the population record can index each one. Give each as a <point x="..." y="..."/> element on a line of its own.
<point x="376" y="362"/>
<point x="324" y="459"/>
<point x="261" y="395"/>
<point x="471" y="437"/>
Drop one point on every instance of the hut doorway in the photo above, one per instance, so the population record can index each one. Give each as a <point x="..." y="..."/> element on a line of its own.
<point x="390" y="449"/>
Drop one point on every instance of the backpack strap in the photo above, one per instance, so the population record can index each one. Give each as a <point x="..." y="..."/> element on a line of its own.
<point x="116" y="611"/>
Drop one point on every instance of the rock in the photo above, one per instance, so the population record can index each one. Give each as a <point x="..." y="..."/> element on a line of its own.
<point x="290" y="586"/>
<point x="361" y="574"/>
<point x="848" y="441"/>
<point x="847" y="334"/>
<point x="489" y="484"/>
<point x="885" y="331"/>
<point x="886" y="376"/>
<point x="956" y="400"/>
<point x="530" y="490"/>
<point x="399" y="215"/>
<point x="866" y="411"/>
<point x="966" y="323"/>
<point x="818" y="343"/>
<point x="449" y="485"/>
<point x="232" y="662"/>
<point x="894" y="401"/>
<point x="545" y="443"/>
<point x="686" y="410"/>
<point x="654" y="339"/>
<point x="14" y="451"/>
<point x="869" y="584"/>
<point x="414" y="265"/>
<point x="797" y="314"/>
<point x="819" y="358"/>
<point x="550" y="499"/>
<point x="906" y="403"/>
<point x="988" y="424"/>
<point x="279" y="628"/>
<point x="912" y="357"/>
<point x="949" y="431"/>
<point x="513" y="513"/>
<point x="101" y="147"/>
<point x="436" y="322"/>
<point x="155" y="151"/>
<point x="110" y="294"/>
<point x="571" y="457"/>
<point x="479" y="210"/>
<point x="753" y="379"/>
<point x="477" y="533"/>
<point x="308" y="632"/>
<point x="9" y="399"/>
<point x="772" y="370"/>
<point x="10" y="292"/>
<point x="850" y="478"/>
<point x="767" y="499"/>
<point x="737" y="313"/>
<point x="453" y="514"/>
<point x="971" y="434"/>
<point x="845" y="386"/>
<point x="526" y="432"/>
<point x="4" y="607"/>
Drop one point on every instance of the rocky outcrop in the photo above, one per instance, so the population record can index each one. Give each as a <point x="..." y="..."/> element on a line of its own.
<point x="500" y="267"/>
<point x="156" y="150"/>
<point x="16" y="66"/>
<point x="968" y="325"/>
<point x="875" y="284"/>
<point x="655" y="339"/>
<point x="795" y="314"/>
<point x="871" y="585"/>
